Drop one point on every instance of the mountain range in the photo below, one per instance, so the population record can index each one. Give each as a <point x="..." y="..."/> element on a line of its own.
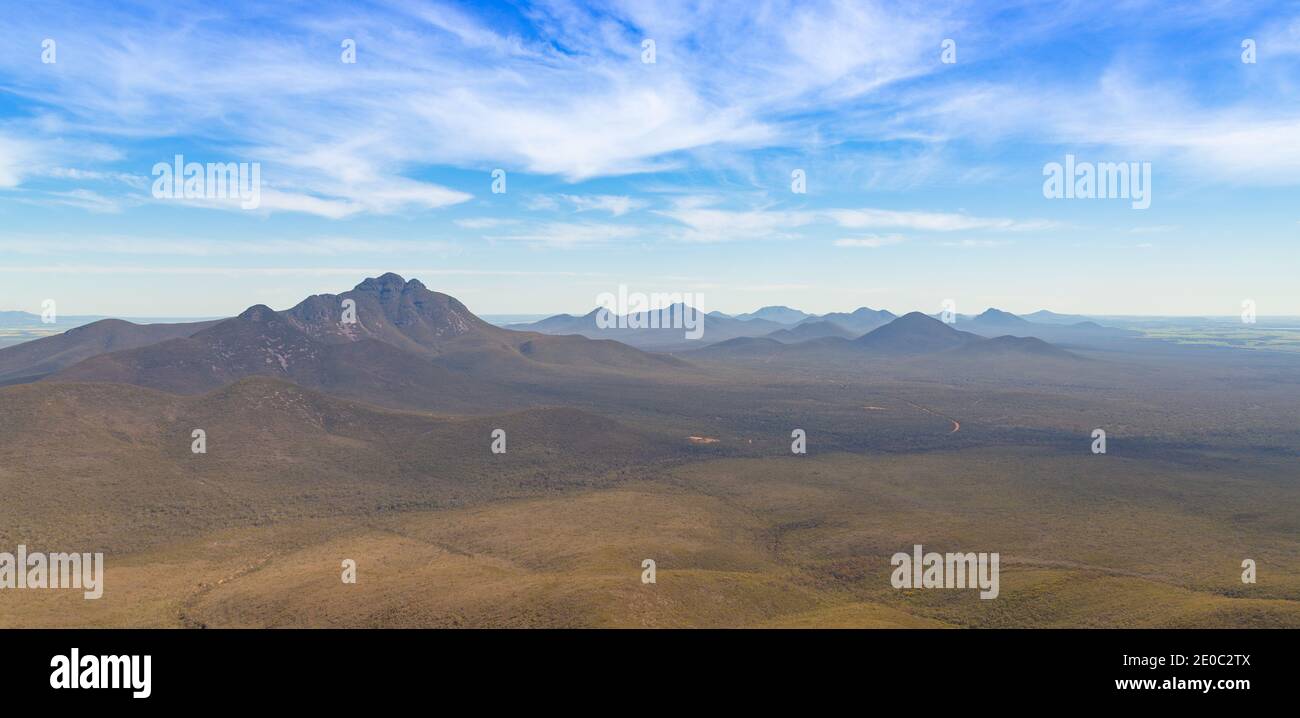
<point x="408" y="347"/>
<point x="786" y="325"/>
<point x="396" y="343"/>
<point x="908" y="337"/>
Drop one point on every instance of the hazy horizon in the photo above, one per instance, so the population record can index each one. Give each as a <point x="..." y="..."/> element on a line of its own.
<point x="581" y="312"/>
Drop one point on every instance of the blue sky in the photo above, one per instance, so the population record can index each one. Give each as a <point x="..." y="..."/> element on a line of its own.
<point x="924" y="178"/>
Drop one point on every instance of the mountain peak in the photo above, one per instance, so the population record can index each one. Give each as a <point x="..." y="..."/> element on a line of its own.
<point x="919" y="318"/>
<point x="997" y="315"/>
<point x="778" y="313"/>
<point x="258" y="313"/>
<point x="387" y="281"/>
<point x="916" y="333"/>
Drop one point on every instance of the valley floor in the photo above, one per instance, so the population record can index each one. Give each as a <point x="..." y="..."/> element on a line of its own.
<point x="798" y="541"/>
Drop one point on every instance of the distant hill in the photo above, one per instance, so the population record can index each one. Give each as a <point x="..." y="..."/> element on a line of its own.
<point x="914" y="333"/>
<point x="741" y="348"/>
<point x="41" y="357"/>
<point x="1007" y="346"/>
<point x="658" y="330"/>
<point x="859" y="321"/>
<point x="778" y="314"/>
<point x="995" y="322"/>
<point x="1056" y="328"/>
<point x="559" y="324"/>
<point x="910" y="336"/>
<point x="19" y="319"/>
<point x="996" y="318"/>
<point x="22" y="320"/>
<point x="1042" y="316"/>
<point x="720" y="328"/>
<point x="258" y="342"/>
<point x="810" y="330"/>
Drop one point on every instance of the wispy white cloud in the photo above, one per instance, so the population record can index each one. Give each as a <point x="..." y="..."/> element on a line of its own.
<point x="1126" y="114"/>
<point x="190" y="270"/>
<point x="451" y="89"/>
<point x="617" y="205"/>
<point x="709" y="224"/>
<point x="202" y="246"/>
<point x="567" y="235"/>
<point x="83" y="199"/>
<point x="33" y="154"/>
<point x="13" y="157"/>
<point x="1280" y="39"/>
<point x="706" y="224"/>
<point x="485" y="222"/>
<point x="928" y="221"/>
<point x="436" y="85"/>
<point x="976" y="243"/>
<point x="82" y="175"/>
<point x="870" y="241"/>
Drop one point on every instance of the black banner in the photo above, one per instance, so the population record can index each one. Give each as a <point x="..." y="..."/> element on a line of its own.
<point x="938" y="669"/>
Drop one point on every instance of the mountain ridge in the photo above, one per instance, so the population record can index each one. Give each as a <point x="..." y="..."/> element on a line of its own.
<point x="409" y="347"/>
